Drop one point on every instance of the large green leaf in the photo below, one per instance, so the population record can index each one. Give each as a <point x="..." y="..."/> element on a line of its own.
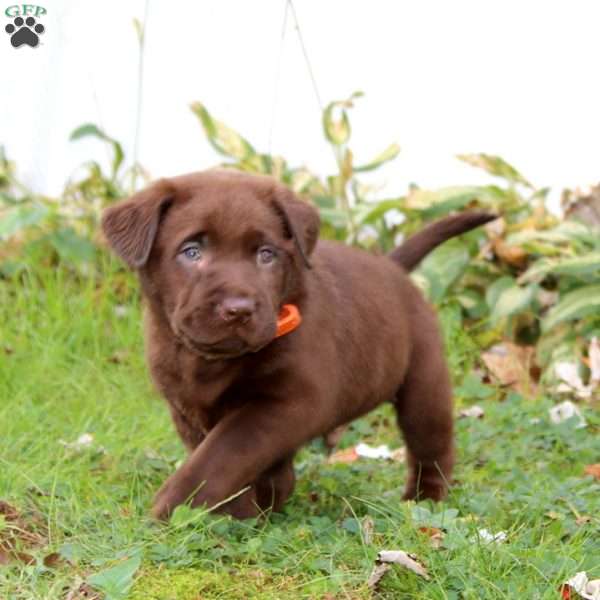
<point x="495" y="165"/>
<point x="494" y="291"/>
<point x="512" y="300"/>
<point x="566" y="232"/>
<point x="116" y="581"/>
<point x="579" y="303"/>
<point x="390" y="153"/>
<point x="20" y="217"/>
<point x="443" y="267"/>
<point x="222" y="138"/>
<point x="588" y="264"/>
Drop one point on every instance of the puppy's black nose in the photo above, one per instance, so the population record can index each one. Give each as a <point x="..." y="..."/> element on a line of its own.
<point x="236" y="309"/>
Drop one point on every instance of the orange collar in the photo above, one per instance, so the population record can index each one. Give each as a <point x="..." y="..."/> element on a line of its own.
<point x="289" y="318"/>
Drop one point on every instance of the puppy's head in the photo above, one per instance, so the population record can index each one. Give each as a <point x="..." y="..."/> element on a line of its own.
<point x="218" y="254"/>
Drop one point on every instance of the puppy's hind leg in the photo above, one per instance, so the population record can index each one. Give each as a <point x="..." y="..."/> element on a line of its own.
<point x="424" y="412"/>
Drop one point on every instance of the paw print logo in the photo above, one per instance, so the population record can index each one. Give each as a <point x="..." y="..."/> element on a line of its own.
<point x="24" y="32"/>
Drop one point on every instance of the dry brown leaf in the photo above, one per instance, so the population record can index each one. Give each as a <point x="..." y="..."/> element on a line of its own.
<point x="593" y="470"/>
<point x="19" y="532"/>
<point x="435" y="535"/>
<point x="512" y="366"/>
<point x="348" y="455"/>
<point x="512" y="255"/>
<point x="408" y="561"/>
<point x="379" y="570"/>
<point x="473" y="412"/>
<point x="54" y="561"/>
<point x="580" y="584"/>
<point x="82" y="591"/>
<point x="368" y="528"/>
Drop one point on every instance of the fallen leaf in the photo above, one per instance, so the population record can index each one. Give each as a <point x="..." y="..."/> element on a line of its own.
<point x="82" y="591"/>
<point x="489" y="537"/>
<point x="580" y="583"/>
<point x="20" y="531"/>
<point x="408" y="561"/>
<point x="83" y="441"/>
<point x="368" y="527"/>
<point x="435" y="535"/>
<point x="566" y="410"/>
<point x="399" y="454"/>
<point x="347" y="455"/>
<point x="512" y="366"/>
<point x="571" y="382"/>
<point x="593" y="470"/>
<point x="473" y="412"/>
<point x="116" y="581"/>
<point x="363" y="450"/>
<point x="367" y="451"/>
<point x="379" y="570"/>
<point x="54" y="561"/>
<point x="510" y="254"/>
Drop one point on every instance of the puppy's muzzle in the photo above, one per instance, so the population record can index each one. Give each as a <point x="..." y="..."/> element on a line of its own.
<point x="236" y="310"/>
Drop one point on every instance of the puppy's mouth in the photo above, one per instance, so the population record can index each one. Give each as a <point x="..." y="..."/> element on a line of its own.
<point x="228" y="348"/>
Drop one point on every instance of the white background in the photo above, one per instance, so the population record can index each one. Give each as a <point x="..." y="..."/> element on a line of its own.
<point x="515" y="78"/>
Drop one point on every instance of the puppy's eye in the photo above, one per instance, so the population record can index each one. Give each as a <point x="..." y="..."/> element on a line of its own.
<point x="266" y="255"/>
<point x="192" y="251"/>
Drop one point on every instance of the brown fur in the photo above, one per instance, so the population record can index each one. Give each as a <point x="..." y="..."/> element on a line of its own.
<point x="242" y="401"/>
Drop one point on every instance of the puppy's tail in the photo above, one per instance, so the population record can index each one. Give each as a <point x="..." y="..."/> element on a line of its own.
<point x="415" y="248"/>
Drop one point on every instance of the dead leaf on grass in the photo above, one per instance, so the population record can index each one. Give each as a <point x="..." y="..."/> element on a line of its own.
<point x="348" y="455"/>
<point x="473" y="412"/>
<point x="488" y="537"/>
<point x="564" y="411"/>
<point x="435" y="535"/>
<point x="54" y="561"/>
<point x="404" y="559"/>
<point x="368" y="528"/>
<point x="509" y="253"/>
<point x="82" y="591"/>
<point x="363" y="450"/>
<point x="582" y="585"/>
<point x="20" y="532"/>
<point x="593" y="470"/>
<point x="512" y="366"/>
<point x="379" y="570"/>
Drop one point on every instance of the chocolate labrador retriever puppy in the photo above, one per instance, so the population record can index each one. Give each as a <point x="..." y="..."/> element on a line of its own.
<point x="261" y="338"/>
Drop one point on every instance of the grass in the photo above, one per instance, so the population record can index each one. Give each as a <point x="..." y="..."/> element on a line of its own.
<point x="71" y="357"/>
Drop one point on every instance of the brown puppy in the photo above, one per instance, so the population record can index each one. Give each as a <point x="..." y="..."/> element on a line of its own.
<point x="218" y="254"/>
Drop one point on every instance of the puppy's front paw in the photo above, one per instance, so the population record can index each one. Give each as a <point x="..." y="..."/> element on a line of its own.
<point x="168" y="498"/>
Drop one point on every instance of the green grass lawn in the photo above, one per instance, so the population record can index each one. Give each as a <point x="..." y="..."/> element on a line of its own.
<point x="71" y="362"/>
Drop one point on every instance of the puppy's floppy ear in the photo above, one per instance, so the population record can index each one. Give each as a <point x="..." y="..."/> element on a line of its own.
<point x="130" y="226"/>
<point x="300" y="221"/>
